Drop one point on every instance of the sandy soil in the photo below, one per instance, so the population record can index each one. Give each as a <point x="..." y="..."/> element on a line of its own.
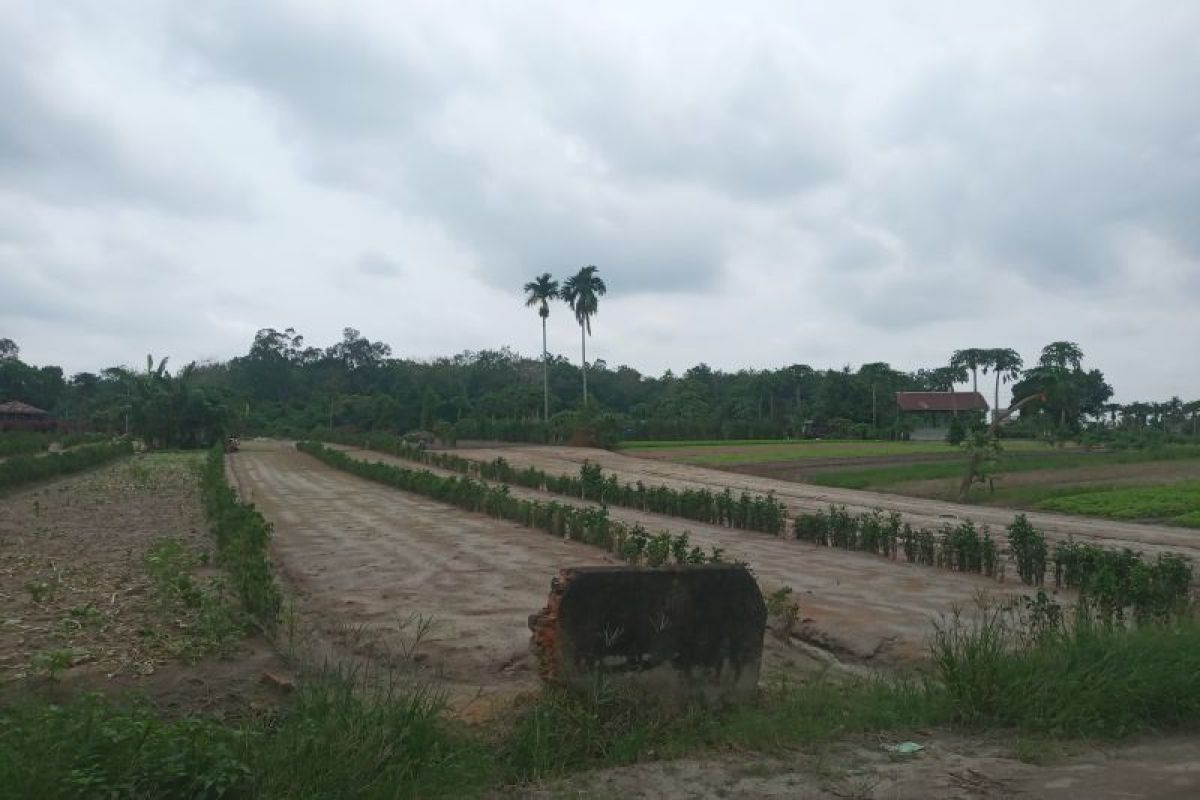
<point x="369" y="566"/>
<point x="1160" y="769"/>
<point x="72" y="581"/>
<point x="806" y="498"/>
<point x="860" y="607"/>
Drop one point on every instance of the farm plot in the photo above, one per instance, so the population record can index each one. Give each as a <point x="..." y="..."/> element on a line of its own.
<point x="921" y="512"/>
<point x="90" y="572"/>
<point x="859" y="606"/>
<point x="400" y="580"/>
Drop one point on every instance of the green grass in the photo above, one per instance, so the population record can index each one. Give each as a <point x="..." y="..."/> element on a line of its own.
<point x="766" y="451"/>
<point x="1176" y="502"/>
<point x="1013" y="669"/>
<point x="1015" y="460"/>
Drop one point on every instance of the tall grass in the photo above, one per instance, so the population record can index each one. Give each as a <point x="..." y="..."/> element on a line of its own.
<point x="1032" y="669"/>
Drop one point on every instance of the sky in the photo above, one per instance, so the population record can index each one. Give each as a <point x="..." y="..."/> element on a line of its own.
<point x="760" y="184"/>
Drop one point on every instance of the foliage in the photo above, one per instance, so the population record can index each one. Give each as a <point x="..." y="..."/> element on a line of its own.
<point x="19" y="470"/>
<point x="242" y="535"/>
<point x="1116" y="582"/>
<point x="1170" y="502"/>
<point x="589" y="524"/>
<point x="1022" y="665"/>
<point x="1028" y="548"/>
<point x="744" y="511"/>
<point x="210" y="623"/>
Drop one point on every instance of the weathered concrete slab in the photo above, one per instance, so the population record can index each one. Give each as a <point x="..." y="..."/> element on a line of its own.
<point x="686" y="633"/>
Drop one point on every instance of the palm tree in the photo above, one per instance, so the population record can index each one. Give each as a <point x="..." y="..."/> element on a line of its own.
<point x="582" y="292"/>
<point x="539" y="292"/>
<point x="972" y="358"/>
<point x="1006" y="363"/>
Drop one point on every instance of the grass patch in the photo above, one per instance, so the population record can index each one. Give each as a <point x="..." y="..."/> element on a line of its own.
<point x="1022" y="668"/>
<point x="209" y="619"/>
<point x="1017" y="668"/>
<point x="336" y="739"/>
<point x="1176" y="502"/>
<point x="1014" y="460"/>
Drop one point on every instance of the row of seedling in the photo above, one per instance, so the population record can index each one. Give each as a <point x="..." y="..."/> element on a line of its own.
<point x="29" y="468"/>
<point x="743" y="511"/>
<point x="589" y="525"/>
<point x="961" y="547"/>
<point x="1116" y="584"/>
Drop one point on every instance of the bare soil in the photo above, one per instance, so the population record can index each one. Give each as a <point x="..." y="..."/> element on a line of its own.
<point x="860" y="608"/>
<point x="73" y="583"/>
<point x="801" y="497"/>
<point x="949" y="767"/>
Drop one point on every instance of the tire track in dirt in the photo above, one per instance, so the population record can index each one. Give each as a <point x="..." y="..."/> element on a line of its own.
<point x="801" y="497"/>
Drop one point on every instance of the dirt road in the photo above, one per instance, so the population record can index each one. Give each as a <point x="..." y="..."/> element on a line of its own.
<point x="807" y="498"/>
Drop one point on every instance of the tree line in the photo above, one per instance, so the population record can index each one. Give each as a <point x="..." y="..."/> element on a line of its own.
<point x="285" y="386"/>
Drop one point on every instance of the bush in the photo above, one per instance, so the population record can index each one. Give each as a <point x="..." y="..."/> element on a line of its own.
<point x="242" y="535"/>
<point x="19" y="470"/>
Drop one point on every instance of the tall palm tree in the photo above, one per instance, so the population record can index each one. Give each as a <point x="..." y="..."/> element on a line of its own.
<point x="582" y="292"/>
<point x="539" y="292"/>
<point x="972" y="358"/>
<point x="1006" y="363"/>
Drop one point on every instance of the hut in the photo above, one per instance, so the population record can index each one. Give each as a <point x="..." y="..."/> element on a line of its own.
<point x="18" y="416"/>
<point x="928" y="414"/>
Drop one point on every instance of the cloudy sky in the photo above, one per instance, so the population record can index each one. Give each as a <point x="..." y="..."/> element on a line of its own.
<point x="759" y="183"/>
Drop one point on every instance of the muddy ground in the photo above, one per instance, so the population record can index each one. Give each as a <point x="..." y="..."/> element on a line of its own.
<point x="76" y="599"/>
<point x="801" y="497"/>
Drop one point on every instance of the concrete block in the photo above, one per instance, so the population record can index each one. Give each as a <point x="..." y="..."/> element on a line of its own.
<point x="681" y="633"/>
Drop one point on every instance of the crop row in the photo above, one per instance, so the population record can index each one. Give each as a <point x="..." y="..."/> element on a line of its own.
<point x="242" y="535"/>
<point x="745" y="511"/>
<point x="589" y="525"/>
<point x="20" y="443"/>
<point x="1113" y="582"/>
<point x="27" y="469"/>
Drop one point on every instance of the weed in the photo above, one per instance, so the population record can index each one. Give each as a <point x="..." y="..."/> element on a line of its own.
<point x="52" y="662"/>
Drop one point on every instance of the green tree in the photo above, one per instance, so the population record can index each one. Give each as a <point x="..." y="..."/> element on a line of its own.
<point x="972" y="358"/>
<point x="581" y="292"/>
<point x="1006" y="363"/>
<point x="539" y="292"/>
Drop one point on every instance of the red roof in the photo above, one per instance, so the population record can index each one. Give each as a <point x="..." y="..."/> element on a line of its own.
<point x="24" y="409"/>
<point x="941" y="401"/>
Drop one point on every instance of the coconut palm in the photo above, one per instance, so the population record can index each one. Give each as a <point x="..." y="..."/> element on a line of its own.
<point x="582" y="291"/>
<point x="539" y="292"/>
<point x="1006" y="363"/>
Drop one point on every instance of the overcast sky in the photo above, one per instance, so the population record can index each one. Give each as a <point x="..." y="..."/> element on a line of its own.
<point x="759" y="183"/>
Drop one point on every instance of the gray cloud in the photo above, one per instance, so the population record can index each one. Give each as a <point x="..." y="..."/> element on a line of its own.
<point x="749" y="178"/>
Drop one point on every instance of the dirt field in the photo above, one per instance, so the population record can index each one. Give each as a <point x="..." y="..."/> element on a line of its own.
<point x="861" y="608"/>
<point x="806" y="498"/>
<point x="74" y="590"/>
<point x="370" y="566"/>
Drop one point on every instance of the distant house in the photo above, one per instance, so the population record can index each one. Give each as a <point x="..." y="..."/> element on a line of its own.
<point x="928" y="414"/>
<point x="18" y="416"/>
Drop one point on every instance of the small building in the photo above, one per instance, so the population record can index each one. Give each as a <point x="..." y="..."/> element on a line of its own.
<point x="18" y="416"/>
<point x="928" y="414"/>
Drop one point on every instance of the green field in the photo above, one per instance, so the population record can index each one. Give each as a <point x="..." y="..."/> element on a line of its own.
<point x="730" y="453"/>
<point x="1178" y="503"/>
<point x="1015" y="460"/>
